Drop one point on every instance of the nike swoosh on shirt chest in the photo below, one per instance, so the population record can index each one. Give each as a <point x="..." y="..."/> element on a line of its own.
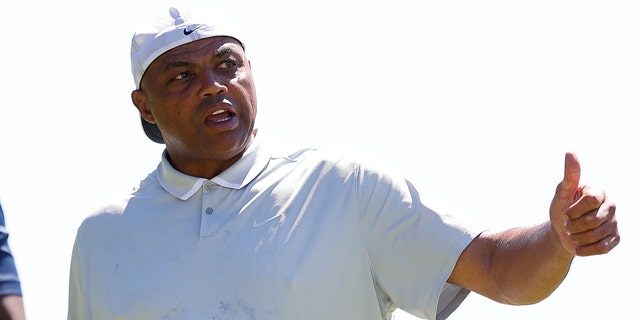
<point x="257" y="223"/>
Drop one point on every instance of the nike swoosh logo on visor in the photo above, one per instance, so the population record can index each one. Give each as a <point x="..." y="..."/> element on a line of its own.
<point x="191" y="28"/>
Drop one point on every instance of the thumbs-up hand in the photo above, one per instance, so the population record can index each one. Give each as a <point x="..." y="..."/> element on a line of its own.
<point x="582" y="216"/>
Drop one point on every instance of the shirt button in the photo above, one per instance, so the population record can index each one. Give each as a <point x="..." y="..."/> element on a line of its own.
<point x="208" y="186"/>
<point x="208" y="210"/>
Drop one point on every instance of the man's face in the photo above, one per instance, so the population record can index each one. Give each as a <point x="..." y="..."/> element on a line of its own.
<point x="202" y="97"/>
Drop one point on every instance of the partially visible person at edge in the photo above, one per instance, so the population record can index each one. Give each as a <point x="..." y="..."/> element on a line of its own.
<point x="11" y="305"/>
<point x="232" y="226"/>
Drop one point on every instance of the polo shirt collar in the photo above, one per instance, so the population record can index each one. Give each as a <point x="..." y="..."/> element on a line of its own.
<point x="241" y="173"/>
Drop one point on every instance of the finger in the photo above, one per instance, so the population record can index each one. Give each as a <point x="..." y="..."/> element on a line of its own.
<point x="590" y="199"/>
<point x="591" y="219"/>
<point x="601" y="247"/>
<point x="567" y="188"/>
<point x="571" y="178"/>
<point x="591" y="235"/>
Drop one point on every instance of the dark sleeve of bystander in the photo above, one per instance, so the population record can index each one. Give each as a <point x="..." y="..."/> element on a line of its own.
<point x="11" y="304"/>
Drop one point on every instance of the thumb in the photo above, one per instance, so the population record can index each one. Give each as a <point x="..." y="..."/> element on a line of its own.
<point x="566" y="191"/>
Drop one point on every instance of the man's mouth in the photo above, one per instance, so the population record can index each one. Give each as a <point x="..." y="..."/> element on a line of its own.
<point x="219" y="116"/>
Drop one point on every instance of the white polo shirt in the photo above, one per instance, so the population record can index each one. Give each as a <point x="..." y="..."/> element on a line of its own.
<point x="279" y="235"/>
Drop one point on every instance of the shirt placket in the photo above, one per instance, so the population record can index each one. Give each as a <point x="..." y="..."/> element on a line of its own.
<point x="210" y="218"/>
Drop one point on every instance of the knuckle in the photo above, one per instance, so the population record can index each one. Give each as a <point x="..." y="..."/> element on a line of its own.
<point x="590" y="220"/>
<point x="592" y="200"/>
<point x="611" y="206"/>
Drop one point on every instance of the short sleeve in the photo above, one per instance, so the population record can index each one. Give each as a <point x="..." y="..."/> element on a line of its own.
<point x="412" y="248"/>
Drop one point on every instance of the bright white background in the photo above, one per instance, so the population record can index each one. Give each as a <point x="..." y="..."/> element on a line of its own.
<point x="476" y="101"/>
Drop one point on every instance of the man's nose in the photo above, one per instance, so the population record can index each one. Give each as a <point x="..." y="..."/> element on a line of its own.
<point x="212" y="84"/>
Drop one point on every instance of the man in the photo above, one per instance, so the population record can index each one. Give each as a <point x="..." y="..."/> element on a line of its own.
<point x="11" y="305"/>
<point x="230" y="226"/>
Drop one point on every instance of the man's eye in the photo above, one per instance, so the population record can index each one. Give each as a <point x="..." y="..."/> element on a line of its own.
<point x="228" y="65"/>
<point x="181" y="76"/>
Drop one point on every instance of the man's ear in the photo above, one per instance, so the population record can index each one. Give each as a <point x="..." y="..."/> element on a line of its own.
<point x="139" y="100"/>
